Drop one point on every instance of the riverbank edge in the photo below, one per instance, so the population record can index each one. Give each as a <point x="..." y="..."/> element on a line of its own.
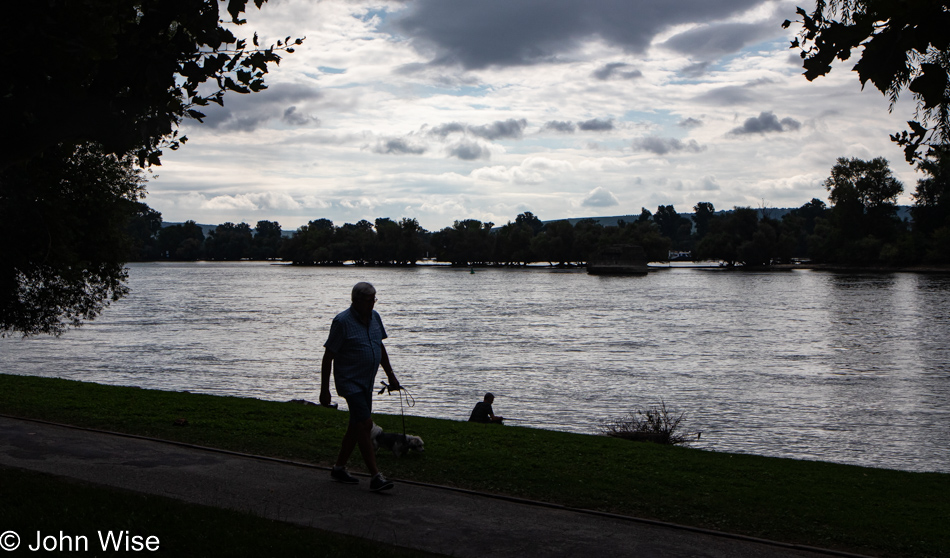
<point x="844" y="507"/>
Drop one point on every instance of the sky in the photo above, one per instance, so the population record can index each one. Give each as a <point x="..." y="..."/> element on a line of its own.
<point x="444" y="110"/>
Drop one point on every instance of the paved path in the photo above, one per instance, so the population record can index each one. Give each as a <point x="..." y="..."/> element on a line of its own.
<point x="414" y="516"/>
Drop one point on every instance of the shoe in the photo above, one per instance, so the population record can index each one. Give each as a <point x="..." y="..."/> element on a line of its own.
<point x="379" y="482"/>
<point x="340" y="474"/>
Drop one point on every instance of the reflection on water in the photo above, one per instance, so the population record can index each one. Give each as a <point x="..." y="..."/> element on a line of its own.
<point x="846" y="368"/>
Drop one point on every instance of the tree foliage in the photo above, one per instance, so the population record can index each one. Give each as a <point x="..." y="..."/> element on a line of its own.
<point x="904" y="46"/>
<point x="122" y="74"/>
<point x="64" y="237"/>
<point x="105" y="87"/>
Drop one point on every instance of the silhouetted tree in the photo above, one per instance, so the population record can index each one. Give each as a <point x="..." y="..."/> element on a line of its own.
<point x="267" y="239"/>
<point x="184" y="242"/>
<point x="931" y="210"/>
<point x="143" y="233"/>
<point x="673" y="226"/>
<point x="903" y="45"/>
<point x="64" y="216"/>
<point x="107" y="84"/>
<point x="229" y="242"/>
<point x="703" y="212"/>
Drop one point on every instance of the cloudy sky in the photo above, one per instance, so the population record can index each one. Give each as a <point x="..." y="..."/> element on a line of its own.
<point x="443" y="110"/>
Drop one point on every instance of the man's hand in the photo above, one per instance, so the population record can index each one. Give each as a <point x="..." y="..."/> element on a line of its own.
<point x="394" y="384"/>
<point x="324" y="398"/>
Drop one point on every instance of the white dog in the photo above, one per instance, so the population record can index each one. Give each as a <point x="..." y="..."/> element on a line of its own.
<point x="399" y="444"/>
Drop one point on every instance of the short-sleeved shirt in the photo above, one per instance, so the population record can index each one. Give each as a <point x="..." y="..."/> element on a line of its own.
<point x="482" y="412"/>
<point x="358" y="349"/>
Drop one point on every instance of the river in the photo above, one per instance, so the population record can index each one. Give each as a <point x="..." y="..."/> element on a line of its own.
<point x="849" y="368"/>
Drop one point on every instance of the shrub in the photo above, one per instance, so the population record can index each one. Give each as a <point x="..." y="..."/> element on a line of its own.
<point x="657" y="424"/>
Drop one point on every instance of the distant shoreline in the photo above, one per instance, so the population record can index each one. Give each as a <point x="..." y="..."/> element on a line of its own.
<point x="653" y="266"/>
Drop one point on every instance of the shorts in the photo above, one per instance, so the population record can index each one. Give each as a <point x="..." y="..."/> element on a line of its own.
<point x="360" y="404"/>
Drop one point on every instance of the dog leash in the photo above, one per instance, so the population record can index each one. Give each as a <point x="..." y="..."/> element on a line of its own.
<point x="410" y="401"/>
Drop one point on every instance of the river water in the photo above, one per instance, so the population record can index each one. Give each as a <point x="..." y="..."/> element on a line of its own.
<point x="850" y="368"/>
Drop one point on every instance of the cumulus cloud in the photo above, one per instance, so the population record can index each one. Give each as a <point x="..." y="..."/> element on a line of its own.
<point x="600" y="197"/>
<point x="662" y="146"/>
<point x="559" y="126"/>
<point x="361" y="203"/>
<point x="616" y="70"/>
<point x="533" y="170"/>
<point x="269" y="201"/>
<point x="398" y="146"/>
<point x="507" y="129"/>
<point x="468" y="151"/>
<point x="690" y="123"/>
<point x="448" y="129"/>
<point x="764" y="123"/>
<point x="596" y="125"/>
<point x="537" y="31"/>
<point x="709" y="184"/>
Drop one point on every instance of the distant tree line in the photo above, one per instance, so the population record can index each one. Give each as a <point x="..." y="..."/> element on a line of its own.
<point x="859" y="228"/>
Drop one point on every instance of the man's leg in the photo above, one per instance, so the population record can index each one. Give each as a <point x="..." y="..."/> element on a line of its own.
<point x="360" y="421"/>
<point x="358" y="432"/>
<point x="365" y="442"/>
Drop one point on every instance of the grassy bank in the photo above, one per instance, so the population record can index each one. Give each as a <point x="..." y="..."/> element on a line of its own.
<point x="872" y="511"/>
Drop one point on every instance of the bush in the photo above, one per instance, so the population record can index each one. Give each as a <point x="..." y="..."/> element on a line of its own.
<point x="657" y="424"/>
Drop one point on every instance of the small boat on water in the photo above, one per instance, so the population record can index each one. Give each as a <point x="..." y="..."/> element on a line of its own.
<point x="619" y="259"/>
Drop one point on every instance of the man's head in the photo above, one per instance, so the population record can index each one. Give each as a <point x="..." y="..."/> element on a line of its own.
<point x="363" y="298"/>
<point x="489" y="398"/>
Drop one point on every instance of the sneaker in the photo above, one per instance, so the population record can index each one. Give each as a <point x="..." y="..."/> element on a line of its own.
<point x="379" y="482"/>
<point x="340" y="474"/>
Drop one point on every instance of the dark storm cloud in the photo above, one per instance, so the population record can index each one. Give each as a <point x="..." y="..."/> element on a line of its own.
<point x="766" y="122"/>
<point x="596" y="125"/>
<point x="734" y="94"/>
<point x="398" y="146"/>
<point x="617" y="70"/>
<point x="294" y="118"/>
<point x="246" y="113"/>
<point x="507" y="129"/>
<point x="560" y="126"/>
<point x="468" y="151"/>
<point x="662" y="146"/>
<point x="729" y="95"/>
<point x="505" y="33"/>
<point x="695" y="70"/>
<point x="710" y="42"/>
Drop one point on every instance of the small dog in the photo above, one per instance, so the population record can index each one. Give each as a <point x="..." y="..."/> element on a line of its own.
<point x="399" y="444"/>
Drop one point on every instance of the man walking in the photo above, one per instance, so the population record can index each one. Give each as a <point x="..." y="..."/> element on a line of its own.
<point x="354" y="351"/>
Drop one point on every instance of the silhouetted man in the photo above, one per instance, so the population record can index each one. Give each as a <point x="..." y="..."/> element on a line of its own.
<point x="354" y="351"/>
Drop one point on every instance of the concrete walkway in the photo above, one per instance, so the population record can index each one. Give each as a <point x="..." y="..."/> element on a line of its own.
<point x="429" y="518"/>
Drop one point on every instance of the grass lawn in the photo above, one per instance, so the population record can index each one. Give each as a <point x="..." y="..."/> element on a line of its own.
<point x="872" y="511"/>
<point x="52" y="505"/>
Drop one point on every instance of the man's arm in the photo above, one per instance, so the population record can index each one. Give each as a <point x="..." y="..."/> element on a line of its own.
<point x="388" y="368"/>
<point x="326" y="368"/>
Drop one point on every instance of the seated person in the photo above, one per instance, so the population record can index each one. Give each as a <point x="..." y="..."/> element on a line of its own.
<point x="483" y="411"/>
